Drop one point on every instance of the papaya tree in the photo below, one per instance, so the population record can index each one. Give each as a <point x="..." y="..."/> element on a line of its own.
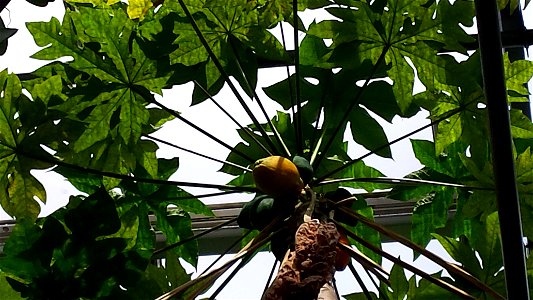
<point x="95" y="111"/>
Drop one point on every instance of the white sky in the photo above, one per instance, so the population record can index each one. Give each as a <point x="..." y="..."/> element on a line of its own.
<point x="250" y="282"/>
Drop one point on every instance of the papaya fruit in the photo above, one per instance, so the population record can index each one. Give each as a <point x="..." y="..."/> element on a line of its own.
<point x="341" y="216"/>
<point x="248" y="211"/>
<point x="263" y="213"/>
<point x="342" y="259"/>
<point x="262" y="209"/>
<point x="277" y="176"/>
<point x="304" y="168"/>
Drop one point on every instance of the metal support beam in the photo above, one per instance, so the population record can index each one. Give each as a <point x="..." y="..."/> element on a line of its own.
<point x="490" y="45"/>
<point x="393" y="214"/>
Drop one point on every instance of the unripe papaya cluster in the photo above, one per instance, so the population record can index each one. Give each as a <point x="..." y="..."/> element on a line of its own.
<point x="281" y="181"/>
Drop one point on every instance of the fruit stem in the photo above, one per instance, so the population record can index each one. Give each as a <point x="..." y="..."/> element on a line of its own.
<point x="308" y="216"/>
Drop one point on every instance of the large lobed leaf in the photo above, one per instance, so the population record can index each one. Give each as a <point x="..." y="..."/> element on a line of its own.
<point x="108" y="98"/>
<point x="235" y="33"/>
<point x="481" y="255"/>
<point x="400" y="33"/>
<point x="19" y="189"/>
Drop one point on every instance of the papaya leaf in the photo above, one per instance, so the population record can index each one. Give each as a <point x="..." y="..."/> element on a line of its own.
<point x="526" y="209"/>
<point x="524" y="177"/>
<point x="430" y="213"/>
<point x="74" y="252"/>
<point x="424" y="289"/>
<point x="158" y="280"/>
<point x="513" y="4"/>
<point x="524" y="173"/>
<point x="370" y="235"/>
<point x="104" y="48"/>
<point x="171" y="205"/>
<point x="480" y="203"/>
<point x="486" y="246"/>
<point x="19" y="188"/>
<point x="138" y="8"/>
<point x="483" y="203"/>
<point x="220" y="22"/>
<point x="452" y="128"/>
<point x="406" y="32"/>
<point x="447" y="163"/>
<point x="460" y="251"/>
<point x="517" y="75"/>
<point x="5" y="34"/>
<point x="483" y="174"/>
<point x="399" y="283"/>
<point x="361" y="170"/>
<point x="177" y="227"/>
<point x="7" y="291"/>
<point x="367" y="131"/>
<point x="360" y="296"/>
<point x="329" y="98"/>
<point x="521" y="126"/>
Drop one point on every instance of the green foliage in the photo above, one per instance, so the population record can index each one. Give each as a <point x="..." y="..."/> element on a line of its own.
<point x="19" y="188"/>
<point x="7" y="291"/>
<point x="370" y="235"/>
<point x="405" y="31"/>
<point x="88" y="115"/>
<point x="433" y="202"/>
<point x="76" y="252"/>
<point x="486" y="245"/>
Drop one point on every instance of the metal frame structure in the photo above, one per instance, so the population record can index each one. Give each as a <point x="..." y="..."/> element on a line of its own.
<point x="490" y="47"/>
<point x="393" y="214"/>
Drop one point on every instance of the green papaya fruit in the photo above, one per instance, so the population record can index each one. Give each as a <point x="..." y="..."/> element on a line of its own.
<point x="262" y="209"/>
<point x="263" y="213"/>
<point x="244" y="220"/>
<point x="304" y="168"/>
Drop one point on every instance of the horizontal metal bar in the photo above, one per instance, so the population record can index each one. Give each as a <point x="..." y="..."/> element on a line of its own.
<point x="394" y="214"/>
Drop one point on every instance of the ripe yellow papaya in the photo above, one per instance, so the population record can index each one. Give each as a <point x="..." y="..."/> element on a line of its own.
<point x="277" y="176"/>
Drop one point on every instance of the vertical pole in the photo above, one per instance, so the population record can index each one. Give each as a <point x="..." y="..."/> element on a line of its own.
<point x="490" y="47"/>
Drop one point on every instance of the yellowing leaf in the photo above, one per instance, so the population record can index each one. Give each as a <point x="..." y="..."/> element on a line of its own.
<point x="93" y="2"/>
<point x="138" y="8"/>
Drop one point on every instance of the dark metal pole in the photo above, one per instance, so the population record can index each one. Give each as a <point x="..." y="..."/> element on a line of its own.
<point x="490" y="47"/>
